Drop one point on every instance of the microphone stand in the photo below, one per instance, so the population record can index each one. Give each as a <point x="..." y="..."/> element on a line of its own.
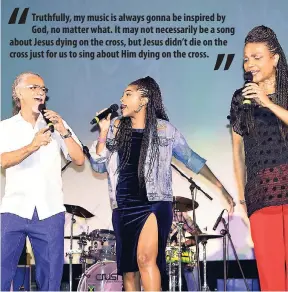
<point x="225" y="260"/>
<point x="85" y="151"/>
<point x="192" y="187"/>
<point x="225" y="232"/>
<point x="65" y="166"/>
<point x="70" y="253"/>
<point x="87" y="154"/>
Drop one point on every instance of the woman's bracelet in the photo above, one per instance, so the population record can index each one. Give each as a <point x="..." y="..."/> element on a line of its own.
<point x="242" y="202"/>
<point x="101" y="140"/>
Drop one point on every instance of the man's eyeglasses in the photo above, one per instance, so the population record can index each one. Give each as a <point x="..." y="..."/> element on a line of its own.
<point x="36" y="88"/>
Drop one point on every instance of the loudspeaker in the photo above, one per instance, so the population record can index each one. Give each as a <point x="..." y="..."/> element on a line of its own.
<point x="22" y="279"/>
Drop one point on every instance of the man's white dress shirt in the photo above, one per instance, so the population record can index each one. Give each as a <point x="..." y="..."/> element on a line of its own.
<point x="36" y="181"/>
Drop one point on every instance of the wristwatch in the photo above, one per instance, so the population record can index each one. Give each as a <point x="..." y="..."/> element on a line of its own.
<point x="68" y="135"/>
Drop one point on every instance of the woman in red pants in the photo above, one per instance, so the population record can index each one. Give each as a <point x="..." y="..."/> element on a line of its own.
<point x="260" y="150"/>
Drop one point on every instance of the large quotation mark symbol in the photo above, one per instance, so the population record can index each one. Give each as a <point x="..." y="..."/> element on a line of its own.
<point x="220" y="59"/>
<point x="22" y="19"/>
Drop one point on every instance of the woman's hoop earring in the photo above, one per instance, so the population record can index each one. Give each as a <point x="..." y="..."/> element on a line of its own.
<point x="139" y="109"/>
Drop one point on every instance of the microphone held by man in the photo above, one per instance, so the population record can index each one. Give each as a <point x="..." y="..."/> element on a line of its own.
<point x="42" y="109"/>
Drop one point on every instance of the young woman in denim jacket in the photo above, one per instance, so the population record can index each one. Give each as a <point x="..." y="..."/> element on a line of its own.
<point x="136" y="150"/>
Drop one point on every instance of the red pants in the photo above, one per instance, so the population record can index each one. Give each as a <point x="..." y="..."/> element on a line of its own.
<point x="269" y="230"/>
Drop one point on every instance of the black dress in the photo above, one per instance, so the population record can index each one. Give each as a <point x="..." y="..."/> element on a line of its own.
<point x="132" y="212"/>
<point x="266" y="155"/>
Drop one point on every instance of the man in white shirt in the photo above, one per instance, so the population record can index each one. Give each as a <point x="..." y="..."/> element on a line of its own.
<point x="33" y="202"/>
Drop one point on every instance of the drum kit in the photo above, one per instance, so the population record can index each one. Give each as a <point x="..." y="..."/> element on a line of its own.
<point x="185" y="253"/>
<point x="97" y="250"/>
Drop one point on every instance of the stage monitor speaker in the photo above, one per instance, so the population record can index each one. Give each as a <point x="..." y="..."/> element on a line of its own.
<point x="238" y="285"/>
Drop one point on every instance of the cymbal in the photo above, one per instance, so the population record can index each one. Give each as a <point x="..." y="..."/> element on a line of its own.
<point x="182" y="204"/>
<point x="205" y="237"/>
<point x="73" y="237"/>
<point x="78" y="211"/>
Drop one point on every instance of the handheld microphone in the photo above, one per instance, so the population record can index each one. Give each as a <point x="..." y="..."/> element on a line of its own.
<point x="104" y="114"/>
<point x="41" y="109"/>
<point x="218" y="220"/>
<point x="248" y="77"/>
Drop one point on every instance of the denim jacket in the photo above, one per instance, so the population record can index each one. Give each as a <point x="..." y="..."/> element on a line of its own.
<point x="159" y="185"/>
